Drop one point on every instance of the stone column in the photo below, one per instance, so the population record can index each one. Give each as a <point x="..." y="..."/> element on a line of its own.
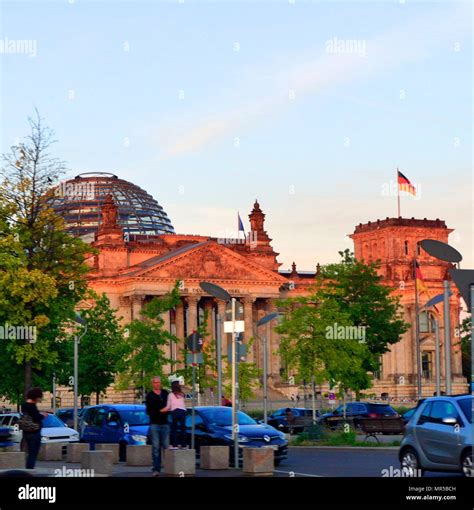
<point x="272" y="344"/>
<point x="125" y="309"/>
<point x="167" y="327"/>
<point x="192" y="322"/>
<point x="137" y="303"/>
<point x="224" y="336"/>
<point x="249" y="332"/>
<point x="208" y="308"/>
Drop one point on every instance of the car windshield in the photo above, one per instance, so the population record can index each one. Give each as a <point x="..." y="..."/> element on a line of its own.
<point x="135" y="417"/>
<point x="52" y="421"/>
<point x="466" y="406"/>
<point x="222" y="417"/>
<point x="379" y="409"/>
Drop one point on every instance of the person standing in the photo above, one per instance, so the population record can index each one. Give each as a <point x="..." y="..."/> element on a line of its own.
<point x="159" y="429"/>
<point x="31" y="423"/>
<point x="177" y="407"/>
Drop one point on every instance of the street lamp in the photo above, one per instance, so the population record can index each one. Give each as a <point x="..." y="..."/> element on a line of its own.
<point x="444" y="251"/>
<point x="220" y="293"/>
<point x="77" y="339"/>
<point x="265" y="320"/>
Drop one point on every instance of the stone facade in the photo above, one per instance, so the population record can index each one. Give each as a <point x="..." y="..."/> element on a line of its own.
<point x="132" y="270"/>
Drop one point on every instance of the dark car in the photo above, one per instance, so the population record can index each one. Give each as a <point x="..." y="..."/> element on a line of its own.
<point x="355" y="411"/>
<point x="279" y="418"/>
<point x="123" y="424"/>
<point x="5" y="437"/>
<point x="214" y="427"/>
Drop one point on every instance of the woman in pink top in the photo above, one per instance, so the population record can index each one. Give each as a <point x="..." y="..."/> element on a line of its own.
<point x="177" y="407"/>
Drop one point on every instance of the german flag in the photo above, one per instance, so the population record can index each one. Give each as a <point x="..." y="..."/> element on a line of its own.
<point x="404" y="184"/>
<point x="420" y="283"/>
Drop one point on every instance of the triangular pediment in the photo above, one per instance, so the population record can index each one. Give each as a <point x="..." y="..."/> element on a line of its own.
<point x="206" y="261"/>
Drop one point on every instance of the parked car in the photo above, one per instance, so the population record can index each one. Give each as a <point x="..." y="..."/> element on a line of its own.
<point x="355" y="411"/>
<point x="279" y="418"/>
<point x="52" y="431"/>
<point x="66" y="415"/>
<point x="439" y="436"/>
<point x="407" y="416"/>
<point x="213" y="425"/>
<point x="5" y="437"/>
<point x="123" y="424"/>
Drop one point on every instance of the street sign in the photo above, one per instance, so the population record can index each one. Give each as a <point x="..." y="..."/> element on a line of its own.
<point x="239" y="326"/>
<point x="463" y="278"/>
<point x="190" y="359"/>
<point x="241" y="350"/>
<point x="194" y="342"/>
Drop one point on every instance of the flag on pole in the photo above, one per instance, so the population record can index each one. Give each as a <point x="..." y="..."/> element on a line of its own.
<point x="404" y="184"/>
<point x="419" y="278"/>
<point x="240" y="225"/>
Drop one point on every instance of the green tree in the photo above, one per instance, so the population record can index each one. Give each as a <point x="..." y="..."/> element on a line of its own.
<point x="43" y="268"/>
<point x="102" y="347"/>
<point x="145" y="343"/>
<point x="367" y="302"/>
<point x="466" y="347"/>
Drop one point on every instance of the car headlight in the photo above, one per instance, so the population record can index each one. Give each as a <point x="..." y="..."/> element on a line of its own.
<point x="74" y="436"/>
<point x="242" y="439"/>
<point x="139" y="438"/>
<point x="44" y="438"/>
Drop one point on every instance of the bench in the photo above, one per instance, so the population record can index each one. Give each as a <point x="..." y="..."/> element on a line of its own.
<point x="300" y="423"/>
<point x="373" y="426"/>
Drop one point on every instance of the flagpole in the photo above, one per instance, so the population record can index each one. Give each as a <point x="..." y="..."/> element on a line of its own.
<point x="417" y="332"/>
<point x="398" y="195"/>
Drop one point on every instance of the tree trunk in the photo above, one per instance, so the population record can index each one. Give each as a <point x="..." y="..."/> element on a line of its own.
<point x="28" y="371"/>
<point x="97" y="394"/>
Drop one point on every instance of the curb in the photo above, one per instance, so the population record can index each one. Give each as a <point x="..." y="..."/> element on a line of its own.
<point x="348" y="448"/>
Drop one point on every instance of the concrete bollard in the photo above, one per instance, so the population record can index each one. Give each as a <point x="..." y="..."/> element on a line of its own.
<point x="139" y="455"/>
<point x="214" y="457"/>
<point x="12" y="460"/>
<point x="258" y="461"/>
<point x="180" y="462"/>
<point x="100" y="461"/>
<point x="74" y="451"/>
<point x="112" y="447"/>
<point x="52" y="451"/>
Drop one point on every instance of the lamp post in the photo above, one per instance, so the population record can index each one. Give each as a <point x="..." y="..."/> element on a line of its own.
<point x="444" y="251"/>
<point x="79" y="320"/>
<point x="265" y="320"/>
<point x="220" y="293"/>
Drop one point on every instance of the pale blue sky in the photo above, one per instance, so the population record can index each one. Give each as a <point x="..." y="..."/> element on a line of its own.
<point x="239" y="100"/>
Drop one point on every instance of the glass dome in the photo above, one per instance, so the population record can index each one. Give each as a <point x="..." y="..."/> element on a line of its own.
<point x="79" y="201"/>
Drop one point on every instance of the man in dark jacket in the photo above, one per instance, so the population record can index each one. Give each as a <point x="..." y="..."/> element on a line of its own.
<point x="33" y="438"/>
<point x="159" y="428"/>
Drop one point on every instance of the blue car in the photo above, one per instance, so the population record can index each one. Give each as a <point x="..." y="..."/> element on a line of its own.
<point x="213" y="425"/>
<point x="123" y="424"/>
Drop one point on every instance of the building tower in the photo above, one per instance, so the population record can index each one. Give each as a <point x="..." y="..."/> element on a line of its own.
<point x="393" y="242"/>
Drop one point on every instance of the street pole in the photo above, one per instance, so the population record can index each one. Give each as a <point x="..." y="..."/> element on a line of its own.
<point x="235" y="393"/>
<point x="193" y="416"/>
<point x="54" y="394"/>
<point x="447" y="338"/>
<point x="313" y="387"/>
<point x="437" y="359"/>
<point x="471" y="288"/>
<point x="76" y="370"/>
<point x="219" y="359"/>
<point x="417" y="333"/>
<point x="265" y="377"/>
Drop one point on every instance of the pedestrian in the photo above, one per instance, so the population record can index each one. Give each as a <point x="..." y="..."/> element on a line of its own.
<point x="298" y="397"/>
<point x="30" y="423"/>
<point x="177" y="407"/>
<point x="225" y="402"/>
<point x="159" y="429"/>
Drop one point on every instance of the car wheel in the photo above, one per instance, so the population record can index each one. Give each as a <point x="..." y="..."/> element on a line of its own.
<point x="410" y="463"/>
<point x="466" y="464"/>
<point x="278" y="462"/>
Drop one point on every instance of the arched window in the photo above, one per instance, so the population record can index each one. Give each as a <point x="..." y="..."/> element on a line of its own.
<point x="406" y="247"/>
<point x="427" y="322"/>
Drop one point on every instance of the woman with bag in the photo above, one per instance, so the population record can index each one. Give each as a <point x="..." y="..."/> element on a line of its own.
<point x="177" y="407"/>
<point x="30" y="423"/>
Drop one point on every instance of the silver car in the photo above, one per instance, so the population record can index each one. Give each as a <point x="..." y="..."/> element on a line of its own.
<point x="439" y="437"/>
